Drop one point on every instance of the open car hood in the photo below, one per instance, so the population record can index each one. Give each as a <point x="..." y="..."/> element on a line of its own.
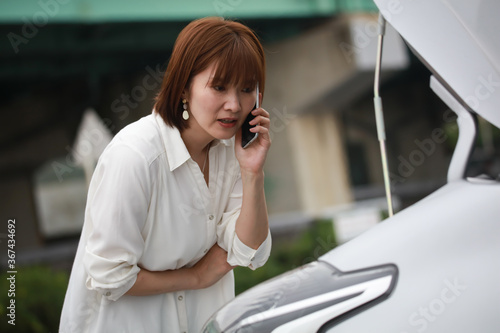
<point x="459" y="41"/>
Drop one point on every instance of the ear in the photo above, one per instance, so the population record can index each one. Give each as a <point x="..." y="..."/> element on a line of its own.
<point x="185" y="92"/>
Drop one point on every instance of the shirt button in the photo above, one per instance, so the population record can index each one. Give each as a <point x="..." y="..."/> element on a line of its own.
<point x="108" y="294"/>
<point x="251" y="259"/>
<point x="180" y="298"/>
<point x="210" y="217"/>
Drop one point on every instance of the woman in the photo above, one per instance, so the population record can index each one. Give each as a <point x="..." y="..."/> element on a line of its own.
<point x="175" y="202"/>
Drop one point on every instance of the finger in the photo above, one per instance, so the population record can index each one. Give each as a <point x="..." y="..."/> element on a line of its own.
<point x="264" y="137"/>
<point x="261" y="121"/>
<point x="261" y="130"/>
<point x="260" y="112"/>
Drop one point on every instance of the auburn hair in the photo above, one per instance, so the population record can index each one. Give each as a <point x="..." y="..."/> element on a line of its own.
<point x="232" y="46"/>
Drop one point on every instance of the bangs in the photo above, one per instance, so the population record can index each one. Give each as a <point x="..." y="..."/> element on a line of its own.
<point x="238" y="64"/>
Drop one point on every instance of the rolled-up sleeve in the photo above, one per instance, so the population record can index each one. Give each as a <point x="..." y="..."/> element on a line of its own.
<point x="117" y="208"/>
<point x="238" y="253"/>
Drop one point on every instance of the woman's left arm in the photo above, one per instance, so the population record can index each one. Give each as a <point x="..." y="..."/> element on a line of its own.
<point x="252" y="225"/>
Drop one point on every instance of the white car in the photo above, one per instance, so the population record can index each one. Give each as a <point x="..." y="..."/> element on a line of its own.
<point x="435" y="266"/>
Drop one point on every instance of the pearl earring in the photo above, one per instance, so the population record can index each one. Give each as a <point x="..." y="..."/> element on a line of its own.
<point x="185" y="113"/>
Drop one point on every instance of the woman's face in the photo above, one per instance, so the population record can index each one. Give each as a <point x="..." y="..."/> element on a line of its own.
<point x="216" y="110"/>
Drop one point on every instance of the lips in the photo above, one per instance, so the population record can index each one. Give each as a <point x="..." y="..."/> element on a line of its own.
<point x="227" y="122"/>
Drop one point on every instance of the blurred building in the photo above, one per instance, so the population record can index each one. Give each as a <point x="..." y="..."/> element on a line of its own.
<point x="59" y="58"/>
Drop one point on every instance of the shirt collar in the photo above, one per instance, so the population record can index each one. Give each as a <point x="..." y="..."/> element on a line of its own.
<point x="177" y="153"/>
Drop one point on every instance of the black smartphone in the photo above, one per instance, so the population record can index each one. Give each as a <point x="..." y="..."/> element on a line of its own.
<point x="248" y="137"/>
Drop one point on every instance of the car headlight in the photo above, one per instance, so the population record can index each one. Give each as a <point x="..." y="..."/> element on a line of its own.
<point x="304" y="300"/>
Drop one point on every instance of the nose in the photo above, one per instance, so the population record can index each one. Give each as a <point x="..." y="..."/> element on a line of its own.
<point x="233" y="101"/>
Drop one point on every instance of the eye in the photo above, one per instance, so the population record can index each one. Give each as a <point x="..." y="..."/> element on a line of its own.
<point x="219" y="88"/>
<point x="247" y="90"/>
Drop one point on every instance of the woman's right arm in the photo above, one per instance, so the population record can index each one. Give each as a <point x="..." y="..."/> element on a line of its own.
<point x="210" y="269"/>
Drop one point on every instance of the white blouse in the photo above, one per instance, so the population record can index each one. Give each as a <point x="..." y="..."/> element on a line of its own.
<point x="149" y="206"/>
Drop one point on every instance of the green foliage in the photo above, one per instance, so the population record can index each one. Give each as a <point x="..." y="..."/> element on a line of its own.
<point x="39" y="296"/>
<point x="288" y="253"/>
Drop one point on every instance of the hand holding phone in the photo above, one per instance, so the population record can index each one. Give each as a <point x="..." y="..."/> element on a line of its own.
<point x="248" y="137"/>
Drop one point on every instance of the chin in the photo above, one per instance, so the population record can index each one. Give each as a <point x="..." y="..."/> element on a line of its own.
<point x="224" y="135"/>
